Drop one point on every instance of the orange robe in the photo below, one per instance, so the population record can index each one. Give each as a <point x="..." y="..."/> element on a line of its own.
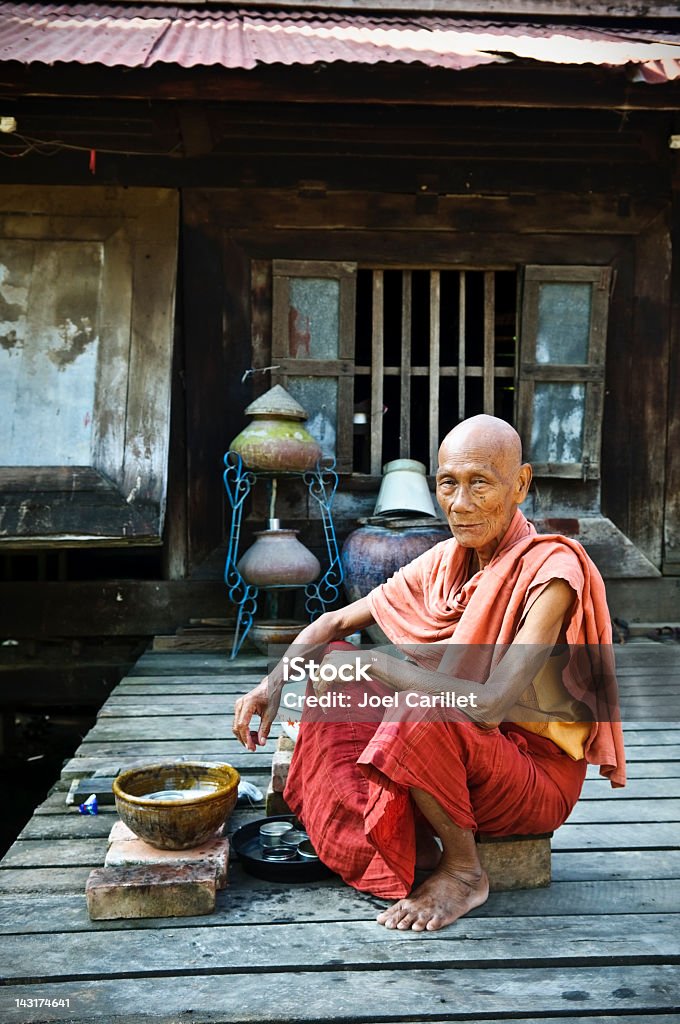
<point x="431" y="601"/>
<point x="349" y="780"/>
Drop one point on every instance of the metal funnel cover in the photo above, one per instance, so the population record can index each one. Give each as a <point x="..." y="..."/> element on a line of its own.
<point x="404" y="489"/>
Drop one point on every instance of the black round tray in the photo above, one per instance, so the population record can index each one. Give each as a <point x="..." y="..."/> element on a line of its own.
<point x="246" y="843"/>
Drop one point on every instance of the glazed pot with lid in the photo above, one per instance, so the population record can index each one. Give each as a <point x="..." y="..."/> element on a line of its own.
<point x="275" y="440"/>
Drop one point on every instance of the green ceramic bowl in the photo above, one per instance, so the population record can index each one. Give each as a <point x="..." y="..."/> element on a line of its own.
<point x="176" y="805"/>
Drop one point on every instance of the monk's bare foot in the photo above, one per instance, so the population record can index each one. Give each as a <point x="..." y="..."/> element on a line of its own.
<point x="428" y="851"/>
<point x="444" y="897"/>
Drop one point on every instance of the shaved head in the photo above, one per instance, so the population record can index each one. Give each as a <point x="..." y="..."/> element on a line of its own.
<point x="487" y="433"/>
<point x="480" y="481"/>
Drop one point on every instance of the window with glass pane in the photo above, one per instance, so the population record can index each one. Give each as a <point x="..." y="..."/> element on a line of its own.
<point x="561" y="369"/>
<point x="313" y="347"/>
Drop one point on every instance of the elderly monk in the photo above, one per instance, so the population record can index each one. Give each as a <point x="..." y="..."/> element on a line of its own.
<point x="482" y="614"/>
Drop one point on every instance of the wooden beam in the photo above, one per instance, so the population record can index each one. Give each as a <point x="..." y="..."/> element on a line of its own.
<point x="443" y="371"/>
<point x="461" y="345"/>
<point x="650" y="366"/>
<point x="552" y="87"/>
<point x="435" y="302"/>
<point x="377" y="360"/>
<point x="489" y="341"/>
<point x="405" y="385"/>
<point x="671" y="553"/>
<point x="107" y="608"/>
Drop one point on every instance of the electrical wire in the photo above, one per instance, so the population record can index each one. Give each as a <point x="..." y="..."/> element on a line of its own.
<point x="50" y="148"/>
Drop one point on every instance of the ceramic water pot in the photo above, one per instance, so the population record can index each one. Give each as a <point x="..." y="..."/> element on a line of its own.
<point x="276" y="441"/>
<point x="277" y="557"/>
<point x="371" y="554"/>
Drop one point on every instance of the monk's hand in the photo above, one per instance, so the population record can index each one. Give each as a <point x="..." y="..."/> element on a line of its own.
<point x="342" y="668"/>
<point x="263" y="701"/>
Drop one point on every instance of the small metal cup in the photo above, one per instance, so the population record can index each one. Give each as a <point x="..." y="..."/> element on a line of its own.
<point x="271" y="833"/>
<point x="293" y="838"/>
<point x="307" y="851"/>
<point x="279" y="853"/>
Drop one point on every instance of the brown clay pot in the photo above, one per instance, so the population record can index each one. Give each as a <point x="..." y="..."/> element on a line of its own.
<point x="277" y="557"/>
<point x="371" y="554"/>
<point x="171" y="824"/>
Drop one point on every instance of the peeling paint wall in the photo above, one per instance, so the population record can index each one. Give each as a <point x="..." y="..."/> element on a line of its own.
<point x="49" y="349"/>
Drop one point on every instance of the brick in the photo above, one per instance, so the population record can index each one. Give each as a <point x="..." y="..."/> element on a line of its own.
<point x="516" y="862"/>
<point x="274" y="802"/>
<point x="160" y="890"/>
<point x="280" y="767"/>
<point x="121" y="833"/>
<point x="133" y="852"/>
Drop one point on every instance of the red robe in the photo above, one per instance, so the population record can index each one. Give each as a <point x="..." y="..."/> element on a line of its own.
<point x="349" y="780"/>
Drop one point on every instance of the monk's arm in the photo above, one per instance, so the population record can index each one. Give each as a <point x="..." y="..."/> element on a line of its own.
<point x="328" y="627"/>
<point x="263" y="701"/>
<point x="522" y="662"/>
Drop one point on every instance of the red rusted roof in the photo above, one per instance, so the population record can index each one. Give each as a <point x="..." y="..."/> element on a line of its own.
<point x="144" y="36"/>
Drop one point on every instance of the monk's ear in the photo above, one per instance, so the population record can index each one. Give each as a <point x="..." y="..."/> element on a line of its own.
<point x="523" y="482"/>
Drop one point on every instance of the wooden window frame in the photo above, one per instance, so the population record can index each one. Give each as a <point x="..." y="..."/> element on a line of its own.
<point x="590" y="373"/>
<point x="341" y="369"/>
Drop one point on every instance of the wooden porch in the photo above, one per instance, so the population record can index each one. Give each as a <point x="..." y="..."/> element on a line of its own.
<point x="599" y="944"/>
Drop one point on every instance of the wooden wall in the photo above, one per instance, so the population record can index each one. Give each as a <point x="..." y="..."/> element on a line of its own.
<point x="553" y="229"/>
<point x="389" y="182"/>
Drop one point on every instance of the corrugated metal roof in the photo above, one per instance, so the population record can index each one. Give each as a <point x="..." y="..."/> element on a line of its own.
<point x="144" y="36"/>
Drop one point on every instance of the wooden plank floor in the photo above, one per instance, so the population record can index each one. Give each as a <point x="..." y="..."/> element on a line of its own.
<point x="601" y="944"/>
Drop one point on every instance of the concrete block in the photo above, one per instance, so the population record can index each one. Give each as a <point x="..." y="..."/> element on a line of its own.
<point x="274" y="802"/>
<point x="515" y="862"/>
<point x="135" y="852"/>
<point x="159" y="890"/>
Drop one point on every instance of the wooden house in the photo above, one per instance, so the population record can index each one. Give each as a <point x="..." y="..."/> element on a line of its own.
<point x="406" y="213"/>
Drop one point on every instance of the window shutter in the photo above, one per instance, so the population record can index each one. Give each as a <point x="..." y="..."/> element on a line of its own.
<point x="313" y="347"/>
<point x="86" y="324"/>
<point x="561" y="368"/>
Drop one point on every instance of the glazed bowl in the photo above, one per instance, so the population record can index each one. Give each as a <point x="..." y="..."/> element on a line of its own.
<point x="176" y="805"/>
<point x="281" y="632"/>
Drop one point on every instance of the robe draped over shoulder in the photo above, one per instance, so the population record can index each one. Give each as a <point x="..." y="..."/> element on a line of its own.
<point x="432" y="601"/>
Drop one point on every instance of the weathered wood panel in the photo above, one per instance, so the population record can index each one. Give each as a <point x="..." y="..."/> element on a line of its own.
<point x="216" y="333"/>
<point x="649" y="410"/>
<point x="601" y="937"/>
<point x="74" y="342"/>
<point x="107" y="607"/>
<point x="560" y="213"/>
<point x="671" y="553"/>
<point x="356" y="945"/>
<point x="618" y="395"/>
<point x="303" y="996"/>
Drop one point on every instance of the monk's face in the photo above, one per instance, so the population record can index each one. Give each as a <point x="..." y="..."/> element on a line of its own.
<point x="480" y="483"/>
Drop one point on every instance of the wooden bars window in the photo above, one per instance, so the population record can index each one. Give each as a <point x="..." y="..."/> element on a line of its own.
<point x="436" y="348"/>
<point x="561" y="371"/>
